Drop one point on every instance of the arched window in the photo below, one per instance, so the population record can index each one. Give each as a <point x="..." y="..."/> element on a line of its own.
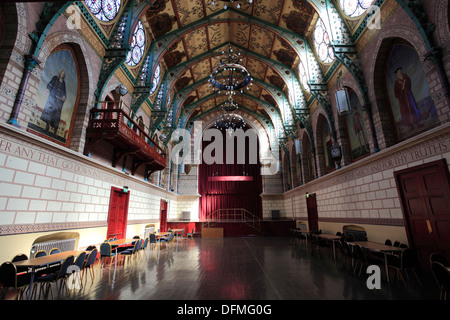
<point x="322" y="43"/>
<point x="156" y="78"/>
<point x="355" y="8"/>
<point x="104" y="10"/>
<point x="137" y="46"/>
<point x="303" y="76"/>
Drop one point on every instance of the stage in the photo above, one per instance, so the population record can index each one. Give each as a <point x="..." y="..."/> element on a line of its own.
<point x="269" y="227"/>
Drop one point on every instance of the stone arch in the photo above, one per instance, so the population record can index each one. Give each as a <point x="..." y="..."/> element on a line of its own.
<point x="442" y="21"/>
<point x="376" y="83"/>
<point x="308" y="159"/>
<point x="87" y="87"/>
<point x="323" y="155"/>
<point x="286" y="168"/>
<point x="295" y="173"/>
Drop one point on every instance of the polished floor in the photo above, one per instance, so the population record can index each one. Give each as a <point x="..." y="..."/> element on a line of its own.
<point x="251" y="268"/>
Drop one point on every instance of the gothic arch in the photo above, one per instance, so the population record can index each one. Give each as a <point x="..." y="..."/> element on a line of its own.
<point x="323" y="154"/>
<point x="442" y="21"/>
<point x="308" y="165"/>
<point x="295" y="173"/>
<point x="377" y="95"/>
<point x="87" y="87"/>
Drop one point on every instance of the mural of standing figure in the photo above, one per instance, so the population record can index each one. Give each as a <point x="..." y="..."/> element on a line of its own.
<point x="359" y="132"/>
<point x="51" y="114"/>
<point x="410" y="112"/>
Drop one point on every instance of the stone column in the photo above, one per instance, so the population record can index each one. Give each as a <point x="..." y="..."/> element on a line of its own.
<point x="30" y="64"/>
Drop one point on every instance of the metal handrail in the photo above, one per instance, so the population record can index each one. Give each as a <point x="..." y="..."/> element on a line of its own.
<point x="243" y="215"/>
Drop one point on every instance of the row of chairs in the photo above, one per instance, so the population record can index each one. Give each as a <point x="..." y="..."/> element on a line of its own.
<point x="109" y="252"/>
<point x="11" y="277"/>
<point x="439" y="268"/>
<point x="359" y="257"/>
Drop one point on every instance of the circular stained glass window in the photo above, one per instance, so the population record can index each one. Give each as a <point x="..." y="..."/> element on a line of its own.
<point x="322" y="43"/>
<point x="355" y="8"/>
<point x="104" y="10"/>
<point x="137" y="46"/>
<point x="155" y="81"/>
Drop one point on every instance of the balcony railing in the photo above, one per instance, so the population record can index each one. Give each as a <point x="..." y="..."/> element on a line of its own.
<point x="116" y="124"/>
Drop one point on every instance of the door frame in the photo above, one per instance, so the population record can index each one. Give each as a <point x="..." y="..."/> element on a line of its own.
<point x="163" y="208"/>
<point x="313" y="215"/>
<point x="114" y="191"/>
<point x="397" y="176"/>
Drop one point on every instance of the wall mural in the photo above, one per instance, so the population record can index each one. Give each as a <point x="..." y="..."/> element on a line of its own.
<point x="357" y="132"/>
<point x="57" y="97"/>
<point x="327" y="143"/>
<point x="412" y="107"/>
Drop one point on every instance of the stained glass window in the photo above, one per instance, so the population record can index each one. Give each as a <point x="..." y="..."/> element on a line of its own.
<point x="104" y="10"/>
<point x="355" y="8"/>
<point x="137" y="46"/>
<point x="155" y="80"/>
<point x="303" y="76"/>
<point x="322" y="43"/>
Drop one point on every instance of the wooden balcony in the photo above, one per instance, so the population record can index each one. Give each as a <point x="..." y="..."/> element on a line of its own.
<point x="115" y="126"/>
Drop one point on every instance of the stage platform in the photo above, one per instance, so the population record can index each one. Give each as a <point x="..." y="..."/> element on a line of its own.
<point x="279" y="227"/>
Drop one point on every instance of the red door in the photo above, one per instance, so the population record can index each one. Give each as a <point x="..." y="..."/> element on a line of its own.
<point x="313" y="218"/>
<point x="163" y="216"/>
<point x="118" y="214"/>
<point x="425" y="194"/>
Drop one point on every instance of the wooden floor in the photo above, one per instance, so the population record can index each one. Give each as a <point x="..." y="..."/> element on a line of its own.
<point x="251" y="268"/>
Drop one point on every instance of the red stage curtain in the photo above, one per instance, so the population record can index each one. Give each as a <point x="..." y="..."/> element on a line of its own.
<point x="230" y="194"/>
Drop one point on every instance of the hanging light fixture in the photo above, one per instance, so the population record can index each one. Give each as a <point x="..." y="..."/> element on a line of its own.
<point x="228" y="1"/>
<point x="229" y="74"/>
<point x="229" y="105"/>
<point x="230" y="122"/>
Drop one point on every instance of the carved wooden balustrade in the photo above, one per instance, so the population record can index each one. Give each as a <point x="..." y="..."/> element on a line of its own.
<point x="129" y="137"/>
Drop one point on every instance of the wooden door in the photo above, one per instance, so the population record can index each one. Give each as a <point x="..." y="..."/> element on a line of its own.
<point x="313" y="218"/>
<point x="163" y="216"/>
<point x="118" y="214"/>
<point x="425" y="194"/>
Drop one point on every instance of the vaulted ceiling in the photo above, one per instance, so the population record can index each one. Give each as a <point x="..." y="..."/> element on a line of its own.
<point x="189" y="36"/>
<point x="185" y="38"/>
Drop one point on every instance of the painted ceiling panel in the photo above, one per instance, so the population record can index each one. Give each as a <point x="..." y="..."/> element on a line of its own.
<point x="202" y="69"/>
<point x="196" y="42"/>
<point x="188" y="11"/>
<point x="261" y="40"/>
<point x="198" y="32"/>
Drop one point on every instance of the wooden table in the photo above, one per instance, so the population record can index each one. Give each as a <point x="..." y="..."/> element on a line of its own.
<point x="160" y="235"/>
<point x="379" y="247"/>
<point x="45" y="262"/>
<point x="332" y="238"/>
<point x="121" y="242"/>
<point x="177" y="231"/>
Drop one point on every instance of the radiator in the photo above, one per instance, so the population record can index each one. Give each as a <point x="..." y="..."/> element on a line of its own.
<point x="62" y="245"/>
